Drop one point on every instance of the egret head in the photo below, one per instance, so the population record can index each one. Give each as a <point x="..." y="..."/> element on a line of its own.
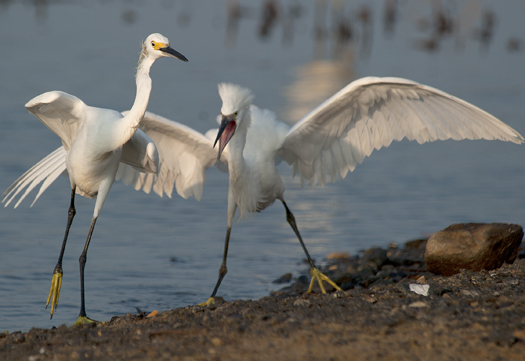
<point x="236" y="102"/>
<point x="156" y="46"/>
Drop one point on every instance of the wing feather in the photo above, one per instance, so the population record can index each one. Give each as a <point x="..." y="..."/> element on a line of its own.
<point x="141" y="153"/>
<point x="370" y="113"/>
<point x="61" y="112"/>
<point x="184" y="156"/>
<point x="46" y="171"/>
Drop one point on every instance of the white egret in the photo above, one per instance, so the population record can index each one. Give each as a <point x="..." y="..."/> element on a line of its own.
<point x="367" y="114"/>
<point x="94" y="142"/>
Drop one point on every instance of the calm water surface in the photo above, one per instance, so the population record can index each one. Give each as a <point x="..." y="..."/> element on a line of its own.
<point x="152" y="253"/>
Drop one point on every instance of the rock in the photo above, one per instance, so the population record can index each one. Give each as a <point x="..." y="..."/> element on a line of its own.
<point x="338" y="255"/>
<point x="374" y="256"/>
<point x="17" y="337"/>
<point x="473" y="246"/>
<point x="416" y="244"/>
<point x="286" y="278"/>
<point x="411" y="255"/>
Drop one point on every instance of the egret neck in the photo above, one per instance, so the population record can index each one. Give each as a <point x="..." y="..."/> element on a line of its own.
<point x="131" y="121"/>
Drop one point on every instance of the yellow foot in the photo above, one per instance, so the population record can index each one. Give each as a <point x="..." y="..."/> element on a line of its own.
<point x="83" y="320"/>
<point x="208" y="303"/>
<point x="54" y="291"/>
<point x="320" y="277"/>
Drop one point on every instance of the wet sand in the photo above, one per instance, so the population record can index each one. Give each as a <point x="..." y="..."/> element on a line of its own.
<point x="468" y="316"/>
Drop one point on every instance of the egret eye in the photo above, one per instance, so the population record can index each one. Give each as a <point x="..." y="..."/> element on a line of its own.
<point x="153" y="44"/>
<point x="236" y="113"/>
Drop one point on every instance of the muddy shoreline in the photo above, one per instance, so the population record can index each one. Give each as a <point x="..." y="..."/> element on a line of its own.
<point x="468" y="316"/>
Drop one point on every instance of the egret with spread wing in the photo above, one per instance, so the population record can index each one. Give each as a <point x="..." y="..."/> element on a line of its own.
<point x="94" y="142"/>
<point x="367" y="114"/>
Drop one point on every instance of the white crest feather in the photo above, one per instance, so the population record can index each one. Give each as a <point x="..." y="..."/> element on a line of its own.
<point x="234" y="97"/>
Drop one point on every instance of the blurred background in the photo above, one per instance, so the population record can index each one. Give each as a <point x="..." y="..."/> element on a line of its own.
<point x="152" y="253"/>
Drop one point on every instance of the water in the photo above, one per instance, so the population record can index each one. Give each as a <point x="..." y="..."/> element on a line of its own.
<point x="151" y="253"/>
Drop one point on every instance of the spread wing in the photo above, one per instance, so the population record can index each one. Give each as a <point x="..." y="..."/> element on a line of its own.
<point x="139" y="152"/>
<point x="61" y="112"/>
<point x="370" y="113"/>
<point x="47" y="170"/>
<point x="184" y="156"/>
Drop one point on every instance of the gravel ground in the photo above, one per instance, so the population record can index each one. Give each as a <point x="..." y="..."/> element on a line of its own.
<point x="378" y="316"/>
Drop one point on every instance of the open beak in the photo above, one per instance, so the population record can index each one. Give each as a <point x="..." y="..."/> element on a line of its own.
<point x="169" y="51"/>
<point x="226" y="131"/>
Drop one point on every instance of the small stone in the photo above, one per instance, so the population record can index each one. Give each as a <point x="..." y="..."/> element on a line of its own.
<point x="416" y="244"/>
<point x="301" y="302"/>
<point x="472" y="246"/>
<point x="418" y="304"/>
<point x="519" y="334"/>
<point x="419" y="289"/>
<point x="470" y="293"/>
<point x="370" y="298"/>
<point x="337" y="294"/>
<point x="17" y="337"/>
<point x="216" y="342"/>
<point x="375" y="256"/>
<point x="287" y="277"/>
<point x="338" y="255"/>
<point x="153" y="313"/>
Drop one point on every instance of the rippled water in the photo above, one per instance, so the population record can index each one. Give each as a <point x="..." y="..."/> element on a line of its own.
<point x="151" y="253"/>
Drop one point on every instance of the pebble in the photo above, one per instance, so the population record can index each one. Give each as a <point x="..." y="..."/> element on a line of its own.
<point x="418" y="304"/>
<point x="419" y="289"/>
<point x="301" y="302"/>
<point x="470" y="293"/>
<point x="216" y="342"/>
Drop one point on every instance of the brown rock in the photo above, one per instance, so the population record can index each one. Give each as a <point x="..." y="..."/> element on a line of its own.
<point x="473" y="246"/>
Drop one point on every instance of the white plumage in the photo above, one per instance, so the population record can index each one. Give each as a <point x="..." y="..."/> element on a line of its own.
<point x="331" y="140"/>
<point x="94" y="142"/>
<point x="367" y="114"/>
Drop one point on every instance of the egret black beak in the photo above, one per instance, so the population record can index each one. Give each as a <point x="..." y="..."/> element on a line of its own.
<point x="174" y="53"/>
<point x="226" y="131"/>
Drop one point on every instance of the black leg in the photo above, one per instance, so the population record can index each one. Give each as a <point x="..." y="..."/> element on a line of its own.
<point x="314" y="272"/>
<point x="82" y="264"/>
<point x="56" y="283"/>
<point x="291" y="220"/>
<point x="223" y="270"/>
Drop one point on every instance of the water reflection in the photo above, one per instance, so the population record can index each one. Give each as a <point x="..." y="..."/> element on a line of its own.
<point x="434" y="21"/>
<point x="235" y="12"/>
<point x="315" y="82"/>
<point x="270" y="12"/>
<point x="486" y="31"/>
<point x="390" y="17"/>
